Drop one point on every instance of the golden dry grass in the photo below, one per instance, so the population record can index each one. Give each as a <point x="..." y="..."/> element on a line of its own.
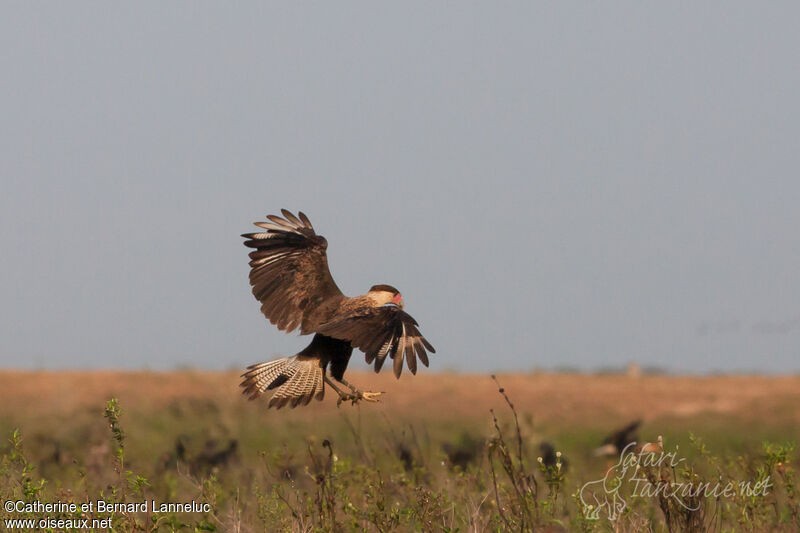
<point x="576" y="398"/>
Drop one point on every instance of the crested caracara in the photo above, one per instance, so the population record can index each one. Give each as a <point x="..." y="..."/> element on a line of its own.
<point x="290" y="277"/>
<point x="616" y="442"/>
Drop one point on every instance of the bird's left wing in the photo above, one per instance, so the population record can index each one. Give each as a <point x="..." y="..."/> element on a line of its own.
<point x="289" y="271"/>
<point x="382" y="331"/>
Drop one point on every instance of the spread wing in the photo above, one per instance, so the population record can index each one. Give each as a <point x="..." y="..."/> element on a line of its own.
<point x="289" y="271"/>
<point x="382" y="331"/>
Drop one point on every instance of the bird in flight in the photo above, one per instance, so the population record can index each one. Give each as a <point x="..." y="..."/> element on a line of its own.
<point x="290" y="277"/>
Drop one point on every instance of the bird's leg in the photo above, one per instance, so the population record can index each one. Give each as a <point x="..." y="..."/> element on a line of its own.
<point x="355" y="397"/>
<point x="342" y="396"/>
<point x="368" y="396"/>
<point x="345" y="382"/>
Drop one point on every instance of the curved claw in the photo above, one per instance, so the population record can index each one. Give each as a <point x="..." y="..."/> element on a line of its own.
<point x="344" y="398"/>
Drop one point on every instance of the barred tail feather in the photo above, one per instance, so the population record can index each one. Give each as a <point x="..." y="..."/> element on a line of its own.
<point x="295" y="380"/>
<point x="259" y="377"/>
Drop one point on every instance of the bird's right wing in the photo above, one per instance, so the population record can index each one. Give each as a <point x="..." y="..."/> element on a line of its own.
<point x="382" y="331"/>
<point x="289" y="271"/>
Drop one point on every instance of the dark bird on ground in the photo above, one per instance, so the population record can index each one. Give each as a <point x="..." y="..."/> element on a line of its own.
<point x="615" y="443"/>
<point x="290" y="277"/>
<point x="214" y="455"/>
<point x="550" y="457"/>
<point x="180" y="449"/>
<point x="464" y="452"/>
<point x="405" y="456"/>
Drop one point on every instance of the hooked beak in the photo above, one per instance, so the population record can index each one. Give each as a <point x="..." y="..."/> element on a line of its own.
<point x="398" y="299"/>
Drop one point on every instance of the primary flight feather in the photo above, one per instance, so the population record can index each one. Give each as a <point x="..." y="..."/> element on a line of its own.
<point x="290" y="277"/>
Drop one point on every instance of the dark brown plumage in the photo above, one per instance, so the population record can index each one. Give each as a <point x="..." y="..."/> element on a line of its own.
<point x="465" y="451"/>
<point x="551" y="458"/>
<point x="616" y="442"/>
<point x="290" y="277"/>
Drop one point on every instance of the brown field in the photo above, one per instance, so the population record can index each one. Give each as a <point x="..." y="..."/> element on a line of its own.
<point x="549" y="397"/>
<point x="67" y="450"/>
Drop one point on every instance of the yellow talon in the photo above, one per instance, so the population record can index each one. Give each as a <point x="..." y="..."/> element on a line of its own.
<point x="358" y="396"/>
<point x="371" y="396"/>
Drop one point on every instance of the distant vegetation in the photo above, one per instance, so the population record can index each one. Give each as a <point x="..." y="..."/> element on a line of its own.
<point x="358" y="471"/>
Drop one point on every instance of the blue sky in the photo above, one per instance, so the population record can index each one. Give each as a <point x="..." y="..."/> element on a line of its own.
<point x="549" y="185"/>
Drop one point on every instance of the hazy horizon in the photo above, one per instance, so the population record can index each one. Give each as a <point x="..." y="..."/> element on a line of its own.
<point x="551" y="186"/>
